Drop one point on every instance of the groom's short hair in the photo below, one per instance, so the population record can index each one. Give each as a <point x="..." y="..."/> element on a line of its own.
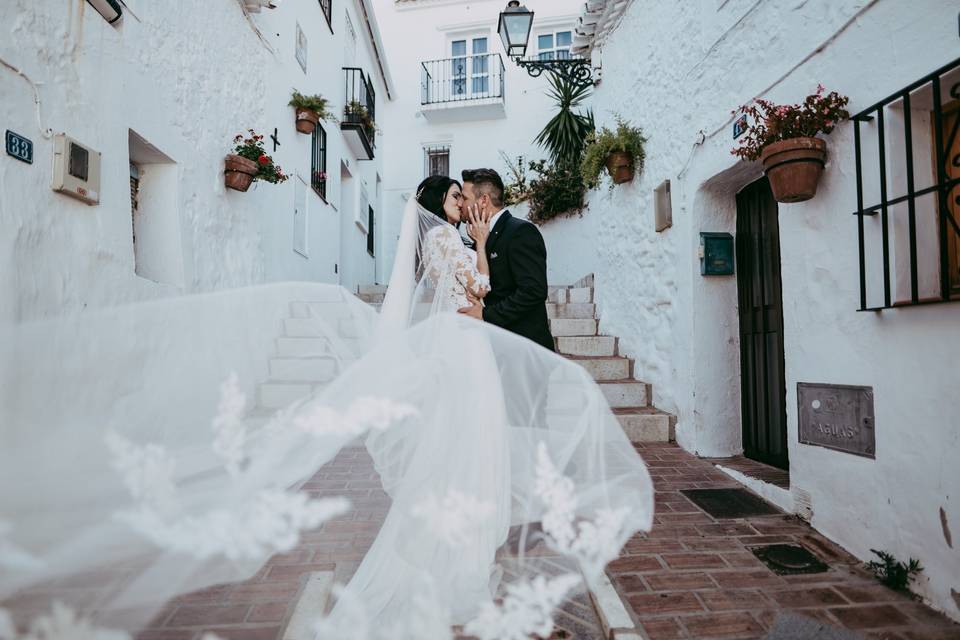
<point x="486" y="181"/>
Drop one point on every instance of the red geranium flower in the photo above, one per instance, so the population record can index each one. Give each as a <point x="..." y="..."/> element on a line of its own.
<point x="263" y="160"/>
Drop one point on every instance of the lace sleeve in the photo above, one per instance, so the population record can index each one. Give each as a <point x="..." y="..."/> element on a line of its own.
<point x="453" y="255"/>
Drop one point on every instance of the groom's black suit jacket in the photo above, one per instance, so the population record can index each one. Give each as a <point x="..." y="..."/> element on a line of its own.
<point x="518" y="280"/>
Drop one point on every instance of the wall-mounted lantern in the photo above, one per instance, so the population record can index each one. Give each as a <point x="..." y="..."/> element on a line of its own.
<point x="514" y="27"/>
<point x="109" y="9"/>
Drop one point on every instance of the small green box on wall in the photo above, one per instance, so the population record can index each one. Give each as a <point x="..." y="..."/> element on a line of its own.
<point x="716" y="254"/>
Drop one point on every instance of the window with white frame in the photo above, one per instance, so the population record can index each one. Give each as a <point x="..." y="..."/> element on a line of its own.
<point x="554" y="46"/>
<point x="470" y="66"/>
<point x="436" y="160"/>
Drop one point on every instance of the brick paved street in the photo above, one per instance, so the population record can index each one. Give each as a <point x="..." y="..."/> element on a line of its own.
<point x="693" y="576"/>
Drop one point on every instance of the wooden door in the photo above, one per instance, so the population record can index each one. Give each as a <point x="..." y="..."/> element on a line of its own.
<point x="763" y="390"/>
<point x="952" y="166"/>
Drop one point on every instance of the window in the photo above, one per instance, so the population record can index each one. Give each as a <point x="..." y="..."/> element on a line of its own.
<point x="437" y="160"/>
<point x="318" y="163"/>
<point x="474" y="67"/>
<point x="327" y="8"/>
<point x="370" y="221"/>
<point x="300" y="48"/>
<point x="554" y="46"/>
<point x="908" y="223"/>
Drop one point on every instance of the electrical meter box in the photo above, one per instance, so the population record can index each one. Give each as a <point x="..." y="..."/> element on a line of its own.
<point x="76" y="169"/>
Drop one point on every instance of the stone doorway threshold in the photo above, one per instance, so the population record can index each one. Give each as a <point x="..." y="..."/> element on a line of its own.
<point x="770" y="483"/>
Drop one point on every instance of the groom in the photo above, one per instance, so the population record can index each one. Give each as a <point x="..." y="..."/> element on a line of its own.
<point x="518" y="263"/>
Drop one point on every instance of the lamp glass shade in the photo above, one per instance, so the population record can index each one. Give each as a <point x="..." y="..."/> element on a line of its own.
<point x="514" y="29"/>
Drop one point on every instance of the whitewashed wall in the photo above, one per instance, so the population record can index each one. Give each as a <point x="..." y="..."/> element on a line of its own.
<point x="679" y="68"/>
<point x="420" y="31"/>
<point x="186" y="81"/>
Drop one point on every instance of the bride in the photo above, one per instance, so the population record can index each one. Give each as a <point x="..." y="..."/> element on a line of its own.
<point x="511" y="480"/>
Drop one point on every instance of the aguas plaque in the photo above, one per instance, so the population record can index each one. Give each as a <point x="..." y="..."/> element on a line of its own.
<point x="838" y="417"/>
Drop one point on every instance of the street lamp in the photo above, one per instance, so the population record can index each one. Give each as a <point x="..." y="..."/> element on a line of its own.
<point x="514" y="28"/>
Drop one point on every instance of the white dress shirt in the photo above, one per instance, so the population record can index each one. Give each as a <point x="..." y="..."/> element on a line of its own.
<point x="496" y="216"/>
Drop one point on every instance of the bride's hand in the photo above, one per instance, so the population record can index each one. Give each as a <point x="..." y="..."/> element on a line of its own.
<point x="477" y="226"/>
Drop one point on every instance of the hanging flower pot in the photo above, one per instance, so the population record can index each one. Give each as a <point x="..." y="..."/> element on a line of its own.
<point x="307" y="120"/>
<point x="794" y="167"/>
<point x="620" y="167"/>
<point x="239" y="172"/>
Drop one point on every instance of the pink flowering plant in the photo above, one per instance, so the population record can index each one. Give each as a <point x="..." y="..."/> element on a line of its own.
<point x="819" y="113"/>
<point x="251" y="148"/>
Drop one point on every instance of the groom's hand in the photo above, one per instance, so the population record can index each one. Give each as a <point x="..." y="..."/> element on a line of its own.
<point x="475" y="310"/>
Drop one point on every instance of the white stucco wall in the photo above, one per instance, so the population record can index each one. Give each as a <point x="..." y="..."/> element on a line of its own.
<point x="679" y="68"/>
<point x="420" y="31"/>
<point x="186" y="81"/>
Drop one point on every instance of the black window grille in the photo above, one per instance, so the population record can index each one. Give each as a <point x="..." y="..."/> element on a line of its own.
<point x="370" y="221"/>
<point x="437" y="160"/>
<point x="908" y="173"/>
<point x="327" y="7"/>
<point x="318" y="163"/>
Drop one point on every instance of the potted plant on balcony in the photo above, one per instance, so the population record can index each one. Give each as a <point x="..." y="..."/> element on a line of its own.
<point x="784" y="138"/>
<point x="357" y="112"/>
<point x="620" y="151"/>
<point x="310" y="111"/>
<point x="250" y="162"/>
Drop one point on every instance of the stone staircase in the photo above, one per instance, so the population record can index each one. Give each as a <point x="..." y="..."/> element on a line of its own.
<point x="575" y="328"/>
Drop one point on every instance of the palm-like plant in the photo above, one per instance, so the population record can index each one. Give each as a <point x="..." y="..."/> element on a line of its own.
<point x="565" y="135"/>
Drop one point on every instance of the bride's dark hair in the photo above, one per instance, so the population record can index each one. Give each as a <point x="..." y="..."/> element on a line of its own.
<point x="432" y="193"/>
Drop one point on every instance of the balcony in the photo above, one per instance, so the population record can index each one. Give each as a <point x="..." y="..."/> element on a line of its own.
<point x="359" y="114"/>
<point x="462" y="88"/>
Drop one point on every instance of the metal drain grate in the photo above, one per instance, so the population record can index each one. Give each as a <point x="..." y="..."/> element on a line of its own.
<point x="730" y="503"/>
<point x="788" y="559"/>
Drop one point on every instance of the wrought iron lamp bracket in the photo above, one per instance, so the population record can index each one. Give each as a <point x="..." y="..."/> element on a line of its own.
<point x="574" y="70"/>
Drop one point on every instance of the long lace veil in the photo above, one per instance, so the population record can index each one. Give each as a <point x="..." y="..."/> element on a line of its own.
<point x="153" y="449"/>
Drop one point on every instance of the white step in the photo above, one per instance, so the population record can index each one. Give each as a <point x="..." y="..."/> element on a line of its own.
<point x="317" y="369"/>
<point x="305" y="328"/>
<point x="587" y="345"/>
<point x="647" y="427"/>
<point x="374" y="289"/>
<point x="580" y="295"/>
<point x="568" y="327"/>
<point x="302" y="347"/>
<point x="571" y="311"/>
<point x="277" y="395"/>
<point x="609" y="368"/>
<point x="625" y="394"/>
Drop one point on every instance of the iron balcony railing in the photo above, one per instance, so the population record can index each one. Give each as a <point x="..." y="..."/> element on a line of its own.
<point x="462" y="79"/>
<point x="360" y="107"/>
<point x="908" y="171"/>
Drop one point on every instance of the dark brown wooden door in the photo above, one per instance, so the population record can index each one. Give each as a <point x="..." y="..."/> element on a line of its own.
<point x="763" y="391"/>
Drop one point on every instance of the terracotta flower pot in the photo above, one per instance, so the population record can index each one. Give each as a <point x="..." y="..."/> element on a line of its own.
<point x="794" y="167"/>
<point x="307" y="120"/>
<point x="239" y="172"/>
<point x="620" y="166"/>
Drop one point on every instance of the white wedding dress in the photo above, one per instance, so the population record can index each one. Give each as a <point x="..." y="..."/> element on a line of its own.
<point x="113" y="482"/>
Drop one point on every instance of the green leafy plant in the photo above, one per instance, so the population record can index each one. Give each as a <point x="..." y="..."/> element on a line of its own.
<point x="316" y="103"/>
<point x="557" y="191"/>
<point x="818" y="113"/>
<point x="517" y="189"/>
<point x="251" y="148"/>
<point x="626" y="138"/>
<point x="893" y="573"/>
<point x="564" y="136"/>
<point x="355" y="111"/>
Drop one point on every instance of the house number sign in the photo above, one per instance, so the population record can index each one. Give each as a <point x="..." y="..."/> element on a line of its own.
<point x="837" y="417"/>
<point x="19" y="147"/>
